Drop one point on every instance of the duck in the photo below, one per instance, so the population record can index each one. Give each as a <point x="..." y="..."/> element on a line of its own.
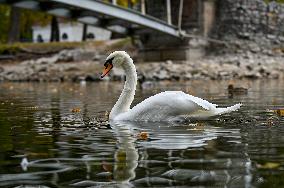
<point x="236" y="90"/>
<point x="165" y="106"/>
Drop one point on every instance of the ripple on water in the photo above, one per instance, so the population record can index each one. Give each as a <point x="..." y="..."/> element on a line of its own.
<point x="79" y="149"/>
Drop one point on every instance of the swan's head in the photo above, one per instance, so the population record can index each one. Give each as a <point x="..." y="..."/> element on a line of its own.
<point x="117" y="58"/>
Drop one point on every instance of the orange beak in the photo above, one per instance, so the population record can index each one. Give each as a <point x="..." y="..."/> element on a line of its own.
<point x="107" y="69"/>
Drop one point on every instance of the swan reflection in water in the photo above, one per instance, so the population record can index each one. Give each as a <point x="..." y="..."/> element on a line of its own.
<point x="171" y="138"/>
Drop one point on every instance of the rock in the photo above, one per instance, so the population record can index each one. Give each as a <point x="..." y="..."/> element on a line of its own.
<point x="54" y="79"/>
<point x="169" y="62"/>
<point x="162" y="75"/>
<point x="274" y="74"/>
<point x="98" y="57"/>
<point x="78" y="78"/>
<point x="262" y="70"/>
<point x="255" y="48"/>
<point x="34" y="78"/>
<point x="269" y="36"/>
<point x="28" y="62"/>
<point x="188" y="76"/>
<point x="252" y="75"/>
<point x="42" y="69"/>
<point x="224" y="74"/>
<point x="281" y="38"/>
<point x="249" y="67"/>
<point x="65" y="56"/>
<point x="83" y="55"/>
<point x="92" y="78"/>
<point x="76" y="55"/>
<point x="45" y="60"/>
<point x="72" y="69"/>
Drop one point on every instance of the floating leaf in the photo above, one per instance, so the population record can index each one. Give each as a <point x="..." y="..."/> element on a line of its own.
<point x="268" y="165"/>
<point x="279" y="112"/>
<point x="143" y="136"/>
<point x="76" y="110"/>
<point x="107" y="166"/>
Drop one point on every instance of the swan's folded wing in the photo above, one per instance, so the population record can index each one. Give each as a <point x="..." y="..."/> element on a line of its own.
<point x="166" y="105"/>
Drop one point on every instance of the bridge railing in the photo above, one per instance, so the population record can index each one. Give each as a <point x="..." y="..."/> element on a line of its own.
<point x="140" y="6"/>
<point x="110" y="14"/>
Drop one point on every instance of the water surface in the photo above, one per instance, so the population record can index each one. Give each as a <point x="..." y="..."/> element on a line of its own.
<point x="50" y="136"/>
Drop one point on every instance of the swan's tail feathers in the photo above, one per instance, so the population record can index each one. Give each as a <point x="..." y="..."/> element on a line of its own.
<point x="228" y="109"/>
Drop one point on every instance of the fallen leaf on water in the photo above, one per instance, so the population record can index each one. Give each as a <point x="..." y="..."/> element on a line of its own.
<point x="279" y="112"/>
<point x="76" y="110"/>
<point x="268" y="165"/>
<point x="143" y="136"/>
<point x="107" y="166"/>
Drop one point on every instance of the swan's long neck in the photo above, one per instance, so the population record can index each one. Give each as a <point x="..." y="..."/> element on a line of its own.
<point x="127" y="95"/>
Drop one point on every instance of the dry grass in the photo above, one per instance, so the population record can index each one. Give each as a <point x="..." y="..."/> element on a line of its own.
<point x="52" y="47"/>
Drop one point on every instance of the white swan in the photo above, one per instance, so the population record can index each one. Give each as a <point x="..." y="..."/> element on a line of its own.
<point x="165" y="106"/>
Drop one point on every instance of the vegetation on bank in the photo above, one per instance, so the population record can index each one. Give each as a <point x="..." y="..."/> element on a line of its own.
<point x="26" y="20"/>
<point x="13" y="49"/>
<point x="53" y="47"/>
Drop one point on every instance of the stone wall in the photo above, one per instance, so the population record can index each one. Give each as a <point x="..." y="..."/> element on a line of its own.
<point x="250" y="19"/>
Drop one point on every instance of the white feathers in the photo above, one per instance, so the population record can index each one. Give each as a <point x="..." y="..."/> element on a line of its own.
<point x="172" y="105"/>
<point x="165" y="106"/>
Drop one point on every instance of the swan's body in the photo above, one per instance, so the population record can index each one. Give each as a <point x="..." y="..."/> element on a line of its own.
<point x="165" y="106"/>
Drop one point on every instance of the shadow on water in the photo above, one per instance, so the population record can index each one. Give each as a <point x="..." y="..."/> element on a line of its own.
<point x="44" y="142"/>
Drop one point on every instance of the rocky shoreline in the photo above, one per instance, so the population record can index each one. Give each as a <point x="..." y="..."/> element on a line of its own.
<point x="86" y="65"/>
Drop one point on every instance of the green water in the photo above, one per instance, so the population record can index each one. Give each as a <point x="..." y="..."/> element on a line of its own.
<point x="70" y="149"/>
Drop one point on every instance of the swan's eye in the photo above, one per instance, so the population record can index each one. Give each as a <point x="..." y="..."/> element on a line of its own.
<point x="108" y="61"/>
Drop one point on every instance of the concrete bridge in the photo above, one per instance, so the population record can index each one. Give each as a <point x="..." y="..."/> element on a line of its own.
<point x="163" y="27"/>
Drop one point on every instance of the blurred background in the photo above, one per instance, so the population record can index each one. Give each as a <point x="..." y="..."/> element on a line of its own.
<point x="226" y="38"/>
